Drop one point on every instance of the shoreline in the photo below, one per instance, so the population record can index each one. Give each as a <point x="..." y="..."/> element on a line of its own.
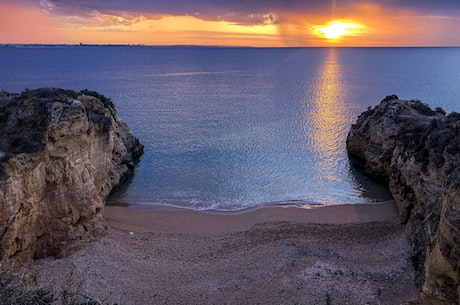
<point x="184" y="220"/>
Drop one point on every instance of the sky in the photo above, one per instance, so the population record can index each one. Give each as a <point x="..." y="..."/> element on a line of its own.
<point x="267" y="23"/>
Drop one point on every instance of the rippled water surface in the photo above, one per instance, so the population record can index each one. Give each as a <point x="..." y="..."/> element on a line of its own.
<point x="230" y="128"/>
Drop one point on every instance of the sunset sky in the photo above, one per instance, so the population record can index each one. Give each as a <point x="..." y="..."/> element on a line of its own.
<point x="233" y="23"/>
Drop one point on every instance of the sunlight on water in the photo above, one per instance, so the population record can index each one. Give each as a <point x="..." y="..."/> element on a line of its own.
<point x="329" y="118"/>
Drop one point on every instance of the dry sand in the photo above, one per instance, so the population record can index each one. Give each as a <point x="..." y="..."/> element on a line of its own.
<point x="346" y="254"/>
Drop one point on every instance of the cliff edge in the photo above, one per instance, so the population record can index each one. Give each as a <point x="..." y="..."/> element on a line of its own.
<point x="61" y="154"/>
<point x="417" y="151"/>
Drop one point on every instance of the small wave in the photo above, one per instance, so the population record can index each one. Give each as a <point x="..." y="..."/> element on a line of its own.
<point x="192" y="73"/>
<point x="295" y="202"/>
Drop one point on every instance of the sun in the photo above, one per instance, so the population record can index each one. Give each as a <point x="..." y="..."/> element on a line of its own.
<point x="334" y="30"/>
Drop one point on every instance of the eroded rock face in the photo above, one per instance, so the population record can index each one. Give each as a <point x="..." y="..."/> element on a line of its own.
<point x="417" y="151"/>
<point x="61" y="154"/>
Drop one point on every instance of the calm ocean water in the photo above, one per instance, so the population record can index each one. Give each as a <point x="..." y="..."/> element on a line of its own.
<point x="230" y="128"/>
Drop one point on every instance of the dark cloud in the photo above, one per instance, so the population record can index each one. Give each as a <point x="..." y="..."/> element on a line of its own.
<point x="240" y="11"/>
<point x="423" y="4"/>
<point x="182" y="7"/>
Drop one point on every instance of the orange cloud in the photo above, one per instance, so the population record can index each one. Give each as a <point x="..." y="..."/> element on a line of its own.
<point x="381" y="26"/>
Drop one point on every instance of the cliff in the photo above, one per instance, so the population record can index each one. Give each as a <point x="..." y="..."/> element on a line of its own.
<point x="417" y="151"/>
<point x="61" y="154"/>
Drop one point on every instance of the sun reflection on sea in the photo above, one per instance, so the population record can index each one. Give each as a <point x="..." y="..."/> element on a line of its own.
<point x="328" y="116"/>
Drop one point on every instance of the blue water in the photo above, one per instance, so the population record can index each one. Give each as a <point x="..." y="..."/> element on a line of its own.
<point x="231" y="128"/>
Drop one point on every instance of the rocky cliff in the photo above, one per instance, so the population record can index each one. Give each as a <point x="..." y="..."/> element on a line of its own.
<point x="61" y="154"/>
<point x="417" y="151"/>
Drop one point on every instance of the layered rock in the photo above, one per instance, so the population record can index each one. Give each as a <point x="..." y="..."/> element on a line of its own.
<point x="61" y="154"/>
<point x="417" y="151"/>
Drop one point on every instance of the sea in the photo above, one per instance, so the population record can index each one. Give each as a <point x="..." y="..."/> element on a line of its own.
<point x="235" y="128"/>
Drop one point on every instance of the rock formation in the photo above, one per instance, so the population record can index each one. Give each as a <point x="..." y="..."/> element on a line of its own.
<point x="61" y="154"/>
<point x="417" y="151"/>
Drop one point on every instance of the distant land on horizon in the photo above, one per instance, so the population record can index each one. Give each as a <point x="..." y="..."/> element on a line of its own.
<point x="64" y="45"/>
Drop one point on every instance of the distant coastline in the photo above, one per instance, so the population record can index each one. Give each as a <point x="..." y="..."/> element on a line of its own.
<point x="70" y="45"/>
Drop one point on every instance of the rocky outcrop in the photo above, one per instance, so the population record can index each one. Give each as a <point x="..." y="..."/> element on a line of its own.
<point x="61" y="154"/>
<point x="417" y="151"/>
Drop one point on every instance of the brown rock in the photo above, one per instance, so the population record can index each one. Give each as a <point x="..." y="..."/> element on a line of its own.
<point x="61" y="154"/>
<point x="417" y="151"/>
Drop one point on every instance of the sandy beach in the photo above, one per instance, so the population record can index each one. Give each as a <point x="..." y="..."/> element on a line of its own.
<point x="344" y="254"/>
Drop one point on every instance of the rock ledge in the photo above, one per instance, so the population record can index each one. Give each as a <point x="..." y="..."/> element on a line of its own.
<point x="61" y="154"/>
<point x="417" y="151"/>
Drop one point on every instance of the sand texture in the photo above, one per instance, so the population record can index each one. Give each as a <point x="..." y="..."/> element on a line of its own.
<point x="334" y="255"/>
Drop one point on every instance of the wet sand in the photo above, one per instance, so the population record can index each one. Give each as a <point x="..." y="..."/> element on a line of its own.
<point x="344" y="254"/>
<point x="213" y="222"/>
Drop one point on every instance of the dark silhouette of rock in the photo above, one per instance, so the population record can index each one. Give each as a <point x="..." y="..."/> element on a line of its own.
<point x="61" y="154"/>
<point x="417" y="151"/>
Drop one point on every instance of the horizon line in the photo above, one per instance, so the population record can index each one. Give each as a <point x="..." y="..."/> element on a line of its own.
<point x="208" y="46"/>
